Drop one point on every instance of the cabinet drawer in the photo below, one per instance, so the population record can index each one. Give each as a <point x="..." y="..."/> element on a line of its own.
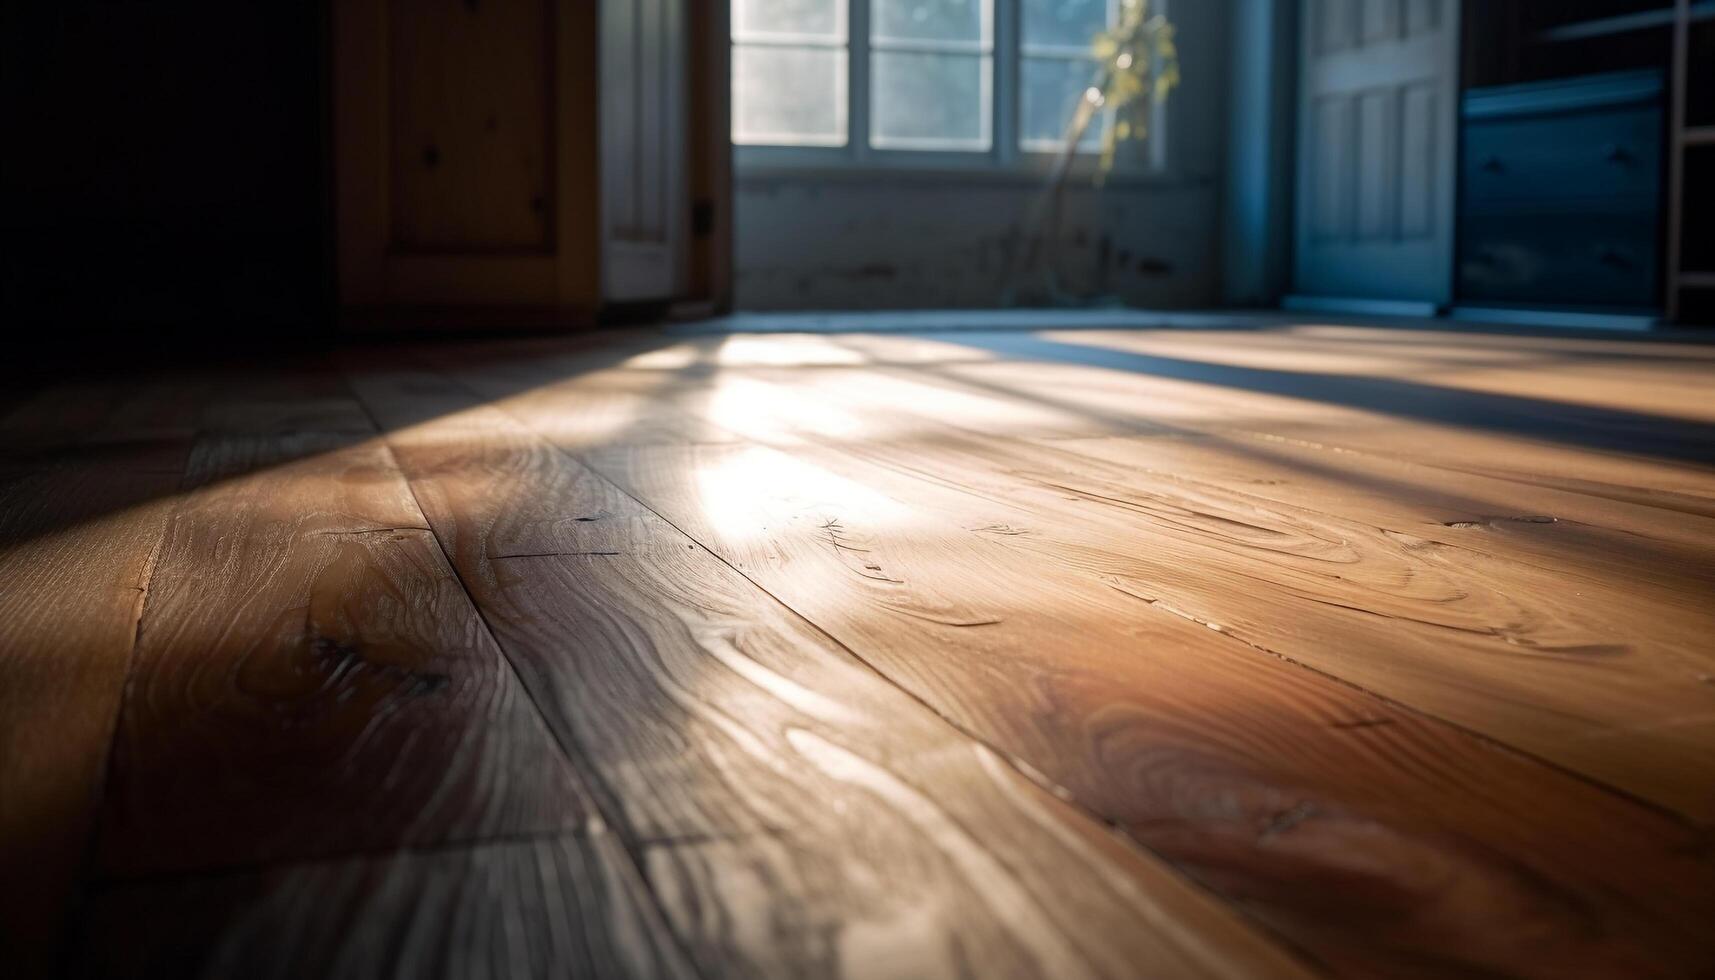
<point x="1559" y="258"/>
<point x="1606" y="153"/>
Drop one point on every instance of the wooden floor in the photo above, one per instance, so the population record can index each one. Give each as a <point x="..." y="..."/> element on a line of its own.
<point x="1301" y="650"/>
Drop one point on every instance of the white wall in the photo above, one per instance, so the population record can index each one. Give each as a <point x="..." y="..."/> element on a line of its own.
<point x="873" y="240"/>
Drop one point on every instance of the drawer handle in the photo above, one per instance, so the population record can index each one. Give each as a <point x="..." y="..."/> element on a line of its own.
<point x="1492" y="164"/>
<point x="1615" y="153"/>
<point x="1612" y="258"/>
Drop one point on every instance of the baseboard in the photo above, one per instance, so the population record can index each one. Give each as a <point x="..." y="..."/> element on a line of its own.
<point x="427" y="320"/>
<point x="956" y="320"/>
<point x="1359" y="307"/>
<point x="1556" y="318"/>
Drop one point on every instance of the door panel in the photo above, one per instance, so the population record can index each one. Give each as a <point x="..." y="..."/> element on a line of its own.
<point x="1422" y="16"/>
<point x="1331" y="158"/>
<point x="644" y="147"/>
<point x="1418" y="138"/>
<point x="1334" y="23"/>
<point x="464" y="171"/>
<point x="1380" y="20"/>
<point x="469" y="162"/>
<point x="1375" y="192"/>
<point x="1378" y="184"/>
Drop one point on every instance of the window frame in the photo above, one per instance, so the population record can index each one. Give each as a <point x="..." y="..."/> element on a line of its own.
<point x="983" y="48"/>
<point x="1004" y="156"/>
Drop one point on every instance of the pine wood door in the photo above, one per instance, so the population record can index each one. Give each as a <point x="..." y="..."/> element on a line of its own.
<point x="466" y="172"/>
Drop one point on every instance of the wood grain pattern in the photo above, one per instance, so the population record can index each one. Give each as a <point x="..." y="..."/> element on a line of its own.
<point x="1252" y="773"/>
<point x="796" y="814"/>
<point x="1555" y="670"/>
<point x="1634" y="501"/>
<point x="551" y="907"/>
<point x="1664" y="551"/>
<point x="1500" y="645"/>
<point x="811" y="538"/>
<point x="1542" y="440"/>
<point x="304" y="642"/>
<point x="68" y="614"/>
<point x="1277" y="651"/>
<point x="1607" y="372"/>
<point x="85" y="488"/>
<point x="1424" y="595"/>
<point x="470" y="108"/>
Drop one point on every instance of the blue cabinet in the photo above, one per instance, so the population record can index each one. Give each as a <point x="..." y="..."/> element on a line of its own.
<point x="1560" y="192"/>
<point x="1561" y="258"/>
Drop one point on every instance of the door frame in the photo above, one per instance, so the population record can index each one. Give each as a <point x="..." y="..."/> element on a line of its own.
<point x="1262" y="142"/>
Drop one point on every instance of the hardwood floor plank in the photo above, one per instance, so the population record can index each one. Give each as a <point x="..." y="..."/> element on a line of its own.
<point x="796" y="814"/>
<point x="569" y="906"/>
<point x="86" y="486"/>
<point x="79" y="544"/>
<point x="1034" y="658"/>
<point x="618" y="394"/>
<point x="1645" y="375"/>
<point x="1255" y="775"/>
<point x="1116" y="399"/>
<point x="1123" y="403"/>
<point x="1207" y="652"/>
<point x="1511" y="612"/>
<point x="1624" y="531"/>
<point x="1504" y="646"/>
<point x="310" y="678"/>
<point x="1662" y="558"/>
<point x="58" y="416"/>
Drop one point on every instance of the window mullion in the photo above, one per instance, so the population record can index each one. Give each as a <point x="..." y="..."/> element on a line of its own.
<point x="858" y="91"/>
<point x="1007" y="35"/>
<point x="919" y="46"/>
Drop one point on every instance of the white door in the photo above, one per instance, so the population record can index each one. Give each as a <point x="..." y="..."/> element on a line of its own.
<point x="1377" y="115"/>
<point x="643" y="149"/>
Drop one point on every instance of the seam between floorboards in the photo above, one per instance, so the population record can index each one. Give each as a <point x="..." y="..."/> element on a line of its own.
<point x="602" y="797"/>
<point x="87" y="864"/>
<point x="240" y="868"/>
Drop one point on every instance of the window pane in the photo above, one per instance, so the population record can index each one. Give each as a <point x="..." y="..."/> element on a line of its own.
<point x="929" y="20"/>
<point x="1064" y="22"/>
<point x="930" y="101"/>
<point x="1051" y="90"/>
<point x="794" y="96"/>
<point x="815" y="17"/>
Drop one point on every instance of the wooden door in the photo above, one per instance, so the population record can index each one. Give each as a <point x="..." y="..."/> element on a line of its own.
<point x="644" y="147"/>
<point x="465" y="171"/>
<point x="1377" y="115"/>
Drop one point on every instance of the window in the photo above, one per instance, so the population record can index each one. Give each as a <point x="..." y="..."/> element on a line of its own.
<point x="1056" y="67"/>
<point x="789" y="68"/>
<point x="889" y="81"/>
<point x="931" y="65"/>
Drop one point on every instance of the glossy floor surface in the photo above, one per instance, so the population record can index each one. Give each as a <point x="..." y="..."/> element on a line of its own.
<point x="1252" y="651"/>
